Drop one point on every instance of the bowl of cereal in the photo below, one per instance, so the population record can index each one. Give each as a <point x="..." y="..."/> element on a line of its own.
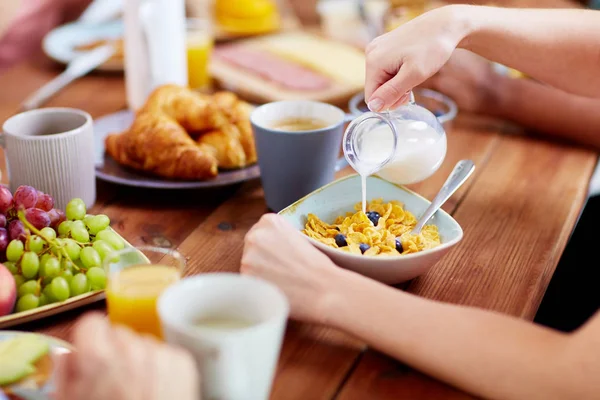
<point x="379" y="243"/>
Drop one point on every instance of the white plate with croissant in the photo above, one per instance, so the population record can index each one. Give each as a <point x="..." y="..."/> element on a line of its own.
<point x="180" y="139"/>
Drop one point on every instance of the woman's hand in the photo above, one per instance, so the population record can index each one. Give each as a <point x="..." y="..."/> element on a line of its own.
<point x="275" y="251"/>
<point x="117" y="364"/>
<point x="405" y="57"/>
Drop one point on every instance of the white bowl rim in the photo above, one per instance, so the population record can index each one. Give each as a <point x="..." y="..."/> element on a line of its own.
<point x="321" y="246"/>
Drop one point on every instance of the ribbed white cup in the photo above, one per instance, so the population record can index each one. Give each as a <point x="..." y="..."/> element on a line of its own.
<point x="52" y="149"/>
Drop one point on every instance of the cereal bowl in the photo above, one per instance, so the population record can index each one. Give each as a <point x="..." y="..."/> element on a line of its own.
<point x="340" y="196"/>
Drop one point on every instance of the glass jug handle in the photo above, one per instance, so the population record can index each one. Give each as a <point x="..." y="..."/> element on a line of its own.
<point x="412" y="100"/>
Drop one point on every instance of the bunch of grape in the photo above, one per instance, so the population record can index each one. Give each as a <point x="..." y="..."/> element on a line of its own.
<point x="53" y="255"/>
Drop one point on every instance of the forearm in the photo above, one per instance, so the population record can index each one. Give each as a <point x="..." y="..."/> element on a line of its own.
<point x="485" y="353"/>
<point x="547" y="110"/>
<point x="560" y="46"/>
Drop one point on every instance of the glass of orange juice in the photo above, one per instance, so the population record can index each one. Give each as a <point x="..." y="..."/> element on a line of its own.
<point x="136" y="278"/>
<point x="200" y="43"/>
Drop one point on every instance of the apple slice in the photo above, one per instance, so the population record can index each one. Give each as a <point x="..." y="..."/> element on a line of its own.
<point x="12" y="371"/>
<point x="26" y="348"/>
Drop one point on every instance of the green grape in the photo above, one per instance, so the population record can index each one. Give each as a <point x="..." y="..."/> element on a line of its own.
<point x="35" y="244"/>
<point x="46" y="280"/>
<point x="112" y="238"/>
<point x="60" y="288"/>
<point x="80" y="234"/>
<point x="79" y="285"/>
<point x="105" y="249"/>
<point x="12" y="267"/>
<point x="97" y="223"/>
<point x="87" y="218"/>
<point x="67" y="265"/>
<point x="30" y="265"/>
<point x="14" y="251"/>
<point x="50" y="267"/>
<point x="56" y="246"/>
<point x="27" y="302"/>
<point x="48" y="233"/>
<point x="19" y="280"/>
<point x="90" y="257"/>
<point x="79" y="224"/>
<point x="43" y="300"/>
<point x="44" y="257"/>
<point x="28" y="287"/>
<point x="75" y="209"/>
<point x="64" y="228"/>
<point x="72" y="248"/>
<point x="67" y="274"/>
<point x="97" y="278"/>
<point x="48" y="293"/>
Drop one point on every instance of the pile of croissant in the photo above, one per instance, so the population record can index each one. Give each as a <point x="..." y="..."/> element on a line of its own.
<point x="183" y="134"/>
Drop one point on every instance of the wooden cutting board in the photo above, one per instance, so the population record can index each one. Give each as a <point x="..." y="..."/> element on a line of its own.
<point x="257" y="89"/>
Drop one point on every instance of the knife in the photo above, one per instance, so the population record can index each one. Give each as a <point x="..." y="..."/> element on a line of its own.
<point x="77" y="68"/>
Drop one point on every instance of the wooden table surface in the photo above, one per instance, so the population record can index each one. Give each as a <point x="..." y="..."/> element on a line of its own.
<point x="517" y="212"/>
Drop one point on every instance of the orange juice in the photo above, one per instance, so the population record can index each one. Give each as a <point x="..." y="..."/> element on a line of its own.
<point x="132" y="293"/>
<point x="199" y="48"/>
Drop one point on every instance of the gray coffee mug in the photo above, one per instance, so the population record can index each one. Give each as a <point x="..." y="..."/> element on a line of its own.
<point x="293" y="164"/>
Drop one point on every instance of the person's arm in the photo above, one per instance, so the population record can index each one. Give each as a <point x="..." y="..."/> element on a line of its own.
<point x="559" y="47"/>
<point x="484" y="353"/>
<point x="548" y="110"/>
<point x="476" y="87"/>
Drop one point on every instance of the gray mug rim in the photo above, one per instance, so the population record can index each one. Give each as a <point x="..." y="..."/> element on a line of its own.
<point x="48" y="110"/>
<point x="308" y="132"/>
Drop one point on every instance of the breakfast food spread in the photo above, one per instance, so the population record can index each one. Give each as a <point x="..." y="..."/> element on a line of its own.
<point x="384" y="230"/>
<point x="275" y="69"/>
<point x="295" y="61"/>
<point x="182" y="134"/>
<point x="49" y="255"/>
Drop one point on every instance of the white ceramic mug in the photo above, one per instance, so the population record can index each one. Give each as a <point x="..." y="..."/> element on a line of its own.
<point x="237" y="364"/>
<point x="52" y="149"/>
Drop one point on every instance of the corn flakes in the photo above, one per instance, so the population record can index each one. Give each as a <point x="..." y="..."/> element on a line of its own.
<point x="383" y="231"/>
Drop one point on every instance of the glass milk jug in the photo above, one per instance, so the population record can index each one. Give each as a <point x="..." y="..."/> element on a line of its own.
<point x="403" y="146"/>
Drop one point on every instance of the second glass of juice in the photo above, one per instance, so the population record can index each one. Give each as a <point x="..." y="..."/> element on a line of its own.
<point x="199" y="50"/>
<point x="136" y="278"/>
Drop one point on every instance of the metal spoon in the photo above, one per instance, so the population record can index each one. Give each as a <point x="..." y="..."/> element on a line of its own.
<point x="462" y="170"/>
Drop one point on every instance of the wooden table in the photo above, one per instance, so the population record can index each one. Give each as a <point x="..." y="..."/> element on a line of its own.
<point x="517" y="212"/>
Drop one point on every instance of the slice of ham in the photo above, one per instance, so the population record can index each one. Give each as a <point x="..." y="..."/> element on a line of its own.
<point x="275" y="69"/>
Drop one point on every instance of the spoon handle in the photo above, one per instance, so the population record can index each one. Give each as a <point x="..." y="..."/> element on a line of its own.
<point x="460" y="173"/>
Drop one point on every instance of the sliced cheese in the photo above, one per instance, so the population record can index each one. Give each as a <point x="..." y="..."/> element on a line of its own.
<point x="337" y="60"/>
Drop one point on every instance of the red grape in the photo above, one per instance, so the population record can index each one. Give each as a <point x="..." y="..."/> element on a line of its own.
<point x="16" y="230"/>
<point x="56" y="217"/>
<point x="25" y="197"/>
<point x="3" y="239"/>
<point x="38" y="218"/>
<point x="44" y="202"/>
<point x="2" y="221"/>
<point x="6" y="199"/>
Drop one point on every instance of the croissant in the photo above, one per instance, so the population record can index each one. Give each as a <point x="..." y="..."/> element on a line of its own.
<point x="227" y="147"/>
<point x="195" y="112"/>
<point x="238" y="113"/>
<point x="158" y="144"/>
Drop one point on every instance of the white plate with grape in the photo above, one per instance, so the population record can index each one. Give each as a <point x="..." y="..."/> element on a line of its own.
<point x="51" y="260"/>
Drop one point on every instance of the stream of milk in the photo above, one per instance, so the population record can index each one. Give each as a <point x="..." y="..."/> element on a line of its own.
<point x="419" y="153"/>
